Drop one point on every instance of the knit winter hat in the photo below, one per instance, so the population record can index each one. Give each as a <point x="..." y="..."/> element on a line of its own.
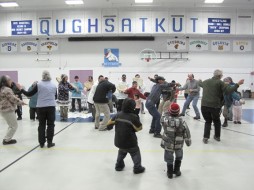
<point x="174" y="109"/>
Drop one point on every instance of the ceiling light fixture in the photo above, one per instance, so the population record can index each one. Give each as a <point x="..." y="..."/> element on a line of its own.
<point x="9" y="4"/>
<point x="74" y="2"/>
<point x="143" y="1"/>
<point x="214" y="1"/>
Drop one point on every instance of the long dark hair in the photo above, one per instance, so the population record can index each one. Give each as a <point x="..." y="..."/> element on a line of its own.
<point x="3" y="81"/>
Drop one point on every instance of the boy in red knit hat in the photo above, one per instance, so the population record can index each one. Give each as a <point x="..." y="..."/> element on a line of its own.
<point x="176" y="131"/>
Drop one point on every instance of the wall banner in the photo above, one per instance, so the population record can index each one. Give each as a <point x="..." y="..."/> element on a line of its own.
<point x="219" y="25"/>
<point x="176" y="45"/>
<point x="23" y="27"/>
<point x="28" y="46"/>
<point x="220" y="45"/>
<point x="48" y="45"/>
<point x="242" y="46"/>
<point x="198" y="45"/>
<point x="111" y="57"/>
<point x="9" y="47"/>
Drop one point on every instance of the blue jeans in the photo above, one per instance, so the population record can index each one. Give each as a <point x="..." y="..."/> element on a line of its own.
<point x="156" y="125"/>
<point x="194" y="100"/>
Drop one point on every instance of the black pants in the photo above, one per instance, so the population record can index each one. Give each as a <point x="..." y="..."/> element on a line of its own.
<point x="119" y="104"/>
<point x="135" y="156"/>
<point x="73" y="104"/>
<point x="211" y="115"/>
<point x="137" y="111"/>
<point x="33" y="113"/>
<point x="19" y="111"/>
<point x="47" y="116"/>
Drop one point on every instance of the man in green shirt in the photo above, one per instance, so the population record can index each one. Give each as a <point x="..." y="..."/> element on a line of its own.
<point x="212" y="101"/>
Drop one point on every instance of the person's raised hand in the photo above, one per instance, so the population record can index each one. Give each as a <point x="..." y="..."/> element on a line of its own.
<point x="240" y="82"/>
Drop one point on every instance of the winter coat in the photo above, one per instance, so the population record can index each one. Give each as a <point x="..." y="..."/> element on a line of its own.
<point x="63" y="92"/>
<point x="100" y="95"/>
<point x="8" y="100"/>
<point x="176" y="131"/>
<point x="33" y="99"/>
<point x="75" y="93"/>
<point x="213" y="91"/>
<point x="126" y="125"/>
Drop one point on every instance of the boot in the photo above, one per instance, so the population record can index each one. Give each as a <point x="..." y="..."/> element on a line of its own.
<point x="119" y="166"/>
<point x="139" y="170"/>
<point x="225" y="124"/>
<point x="177" y="167"/>
<point x="170" y="171"/>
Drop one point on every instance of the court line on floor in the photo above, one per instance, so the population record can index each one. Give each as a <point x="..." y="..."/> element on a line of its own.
<point x="227" y="129"/>
<point x="15" y="161"/>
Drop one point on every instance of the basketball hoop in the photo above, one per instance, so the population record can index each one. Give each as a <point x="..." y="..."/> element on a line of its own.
<point x="147" y="59"/>
<point x="148" y="55"/>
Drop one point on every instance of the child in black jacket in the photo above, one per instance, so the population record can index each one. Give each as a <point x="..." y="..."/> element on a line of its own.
<point x="127" y="123"/>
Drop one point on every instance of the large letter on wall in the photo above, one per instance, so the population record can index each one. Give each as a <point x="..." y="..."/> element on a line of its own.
<point x="112" y="28"/>
<point x="194" y="23"/>
<point x="143" y="23"/>
<point x="92" y="25"/>
<point x="159" y="24"/>
<point x="76" y="28"/>
<point x="126" y="24"/>
<point x="44" y="27"/>
<point x="57" y="27"/>
<point x="180" y="27"/>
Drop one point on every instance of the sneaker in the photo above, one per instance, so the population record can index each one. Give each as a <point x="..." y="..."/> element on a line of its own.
<point x="216" y="138"/>
<point x="157" y="135"/>
<point x="19" y="118"/>
<point x="235" y="122"/>
<point x="12" y="141"/>
<point x="151" y="131"/>
<point x="205" y="140"/>
<point x="51" y="145"/>
<point x="139" y="170"/>
<point x="239" y="122"/>
<point x="181" y="114"/>
<point x="197" y="117"/>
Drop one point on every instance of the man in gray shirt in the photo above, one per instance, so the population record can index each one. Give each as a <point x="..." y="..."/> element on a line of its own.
<point x="192" y="86"/>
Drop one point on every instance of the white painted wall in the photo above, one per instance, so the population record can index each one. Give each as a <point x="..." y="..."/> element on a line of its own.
<point x="89" y="55"/>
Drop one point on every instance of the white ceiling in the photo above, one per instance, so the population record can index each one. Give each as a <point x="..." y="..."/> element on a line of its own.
<point x="130" y="4"/>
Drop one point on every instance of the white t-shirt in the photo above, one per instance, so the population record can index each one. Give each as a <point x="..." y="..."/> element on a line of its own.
<point x="121" y="95"/>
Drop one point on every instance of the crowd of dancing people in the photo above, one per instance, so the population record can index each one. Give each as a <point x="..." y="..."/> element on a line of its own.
<point x="129" y="101"/>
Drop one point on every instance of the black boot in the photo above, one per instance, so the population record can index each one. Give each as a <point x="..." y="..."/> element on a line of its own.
<point x="119" y="166"/>
<point x="177" y="167"/>
<point x="50" y="144"/>
<point x="170" y="171"/>
<point x="225" y="124"/>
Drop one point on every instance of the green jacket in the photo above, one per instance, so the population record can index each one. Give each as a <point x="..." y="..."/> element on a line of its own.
<point x="213" y="90"/>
